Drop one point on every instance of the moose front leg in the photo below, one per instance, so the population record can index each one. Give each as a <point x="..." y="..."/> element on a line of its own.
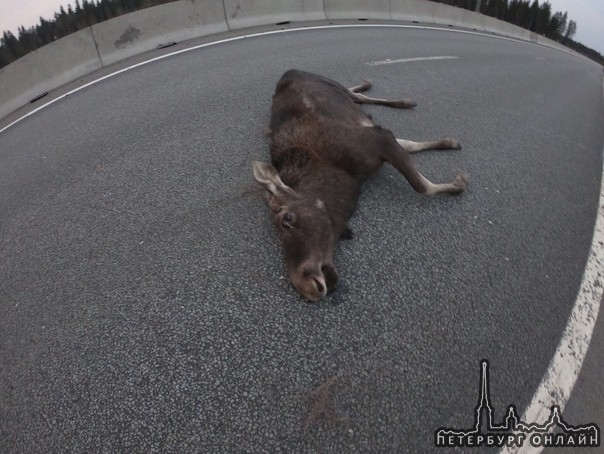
<point x="397" y="155"/>
<point x="357" y="97"/>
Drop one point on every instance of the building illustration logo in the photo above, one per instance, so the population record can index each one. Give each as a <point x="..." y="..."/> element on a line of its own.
<point x="514" y="432"/>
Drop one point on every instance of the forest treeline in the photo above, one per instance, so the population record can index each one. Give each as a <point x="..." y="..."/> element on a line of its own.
<point x="531" y="15"/>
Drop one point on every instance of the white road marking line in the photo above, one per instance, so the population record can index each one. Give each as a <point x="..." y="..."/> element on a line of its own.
<point x="561" y="375"/>
<point x="409" y="60"/>
<point x="253" y="35"/>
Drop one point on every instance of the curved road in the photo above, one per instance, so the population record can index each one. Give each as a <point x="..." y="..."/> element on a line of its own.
<point x="143" y="305"/>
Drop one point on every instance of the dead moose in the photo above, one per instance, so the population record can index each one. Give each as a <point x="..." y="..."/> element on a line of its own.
<point x="322" y="147"/>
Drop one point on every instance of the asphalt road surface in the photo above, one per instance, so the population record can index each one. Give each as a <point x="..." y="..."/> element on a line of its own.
<point x="143" y="299"/>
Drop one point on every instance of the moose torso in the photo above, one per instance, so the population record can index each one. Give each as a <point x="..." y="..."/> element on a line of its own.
<point x="316" y="116"/>
<point x="322" y="146"/>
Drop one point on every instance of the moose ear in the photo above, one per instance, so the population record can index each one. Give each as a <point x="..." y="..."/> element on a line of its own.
<point x="269" y="179"/>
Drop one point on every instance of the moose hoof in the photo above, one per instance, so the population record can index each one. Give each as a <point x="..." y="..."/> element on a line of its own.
<point x="405" y="104"/>
<point x="460" y="182"/>
<point x="453" y="144"/>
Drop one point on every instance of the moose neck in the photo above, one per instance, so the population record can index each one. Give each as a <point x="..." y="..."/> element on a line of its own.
<point x="334" y="187"/>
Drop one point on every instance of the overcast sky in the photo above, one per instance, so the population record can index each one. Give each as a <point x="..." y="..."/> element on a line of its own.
<point x="588" y="14"/>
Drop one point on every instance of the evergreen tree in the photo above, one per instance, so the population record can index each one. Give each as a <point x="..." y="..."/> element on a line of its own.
<point x="544" y="18"/>
<point x="11" y="43"/>
<point x="559" y="24"/>
<point x="570" y="31"/>
<point x="534" y="14"/>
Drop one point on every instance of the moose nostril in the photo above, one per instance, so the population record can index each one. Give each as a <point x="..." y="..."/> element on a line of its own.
<point x="331" y="277"/>
<point x="319" y="285"/>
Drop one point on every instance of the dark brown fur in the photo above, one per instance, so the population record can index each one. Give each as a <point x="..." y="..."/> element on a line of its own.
<point x="322" y="147"/>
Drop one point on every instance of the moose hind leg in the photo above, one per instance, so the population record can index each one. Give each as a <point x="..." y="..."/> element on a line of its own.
<point x="399" y="158"/>
<point x="443" y="144"/>
<point x="366" y="85"/>
<point x="398" y="104"/>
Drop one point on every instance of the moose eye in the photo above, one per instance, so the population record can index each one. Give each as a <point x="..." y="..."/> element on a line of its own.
<point x="287" y="220"/>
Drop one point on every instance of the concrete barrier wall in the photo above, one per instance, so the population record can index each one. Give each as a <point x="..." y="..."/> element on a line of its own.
<point x="452" y="15"/>
<point x="117" y="39"/>
<point x="413" y="10"/>
<point x="474" y="20"/>
<point x="249" y="13"/>
<point x="46" y="69"/>
<point x="132" y="34"/>
<point x="357" y="9"/>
